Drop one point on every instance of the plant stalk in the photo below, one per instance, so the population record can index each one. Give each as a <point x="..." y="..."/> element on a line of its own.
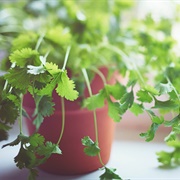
<point x="94" y="112"/>
<point x="63" y="120"/>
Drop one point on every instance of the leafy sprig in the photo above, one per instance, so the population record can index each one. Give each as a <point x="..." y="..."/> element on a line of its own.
<point x="33" y="152"/>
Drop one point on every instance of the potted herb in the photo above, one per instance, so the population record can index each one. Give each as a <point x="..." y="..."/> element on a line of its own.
<point x="59" y="59"/>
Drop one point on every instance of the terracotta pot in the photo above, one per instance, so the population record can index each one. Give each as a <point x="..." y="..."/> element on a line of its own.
<point x="78" y="123"/>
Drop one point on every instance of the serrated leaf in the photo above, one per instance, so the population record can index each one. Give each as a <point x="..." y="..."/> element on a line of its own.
<point x="24" y="157"/>
<point x="7" y="106"/>
<point x="95" y="101"/>
<point x="137" y="109"/>
<point x="127" y="101"/>
<point x="24" y="57"/>
<point x="49" y="149"/>
<point x="109" y="174"/>
<point x="164" y="88"/>
<point x="114" y="111"/>
<point x="91" y="148"/>
<point x="149" y="135"/>
<point x="28" y="39"/>
<point x="151" y="90"/>
<point x="117" y="90"/>
<point x="36" y="140"/>
<point x="144" y="96"/>
<point x="66" y="87"/>
<point x="18" y="78"/>
<point x="169" y="104"/>
<point x="52" y="68"/>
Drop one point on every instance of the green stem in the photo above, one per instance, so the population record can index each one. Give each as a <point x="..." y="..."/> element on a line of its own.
<point x="66" y="58"/>
<point x="100" y="74"/>
<point x="63" y="120"/>
<point x="20" y="116"/>
<point x="39" y="41"/>
<point x="94" y="112"/>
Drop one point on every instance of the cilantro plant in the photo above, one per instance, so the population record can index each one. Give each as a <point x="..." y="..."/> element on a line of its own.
<point x="61" y="46"/>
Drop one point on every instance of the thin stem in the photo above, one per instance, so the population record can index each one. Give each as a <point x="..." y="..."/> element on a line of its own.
<point x="66" y="58"/>
<point x="63" y="119"/>
<point x="94" y="112"/>
<point x="20" y="116"/>
<point x="39" y="41"/>
<point x="100" y="74"/>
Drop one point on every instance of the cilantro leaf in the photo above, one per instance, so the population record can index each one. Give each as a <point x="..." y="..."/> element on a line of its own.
<point x="48" y="149"/>
<point x="164" y="88"/>
<point x="66" y="87"/>
<point x="126" y="101"/>
<point x="114" y="111"/>
<point x="6" y="106"/>
<point x="95" y="101"/>
<point x="109" y="174"/>
<point x="52" y="68"/>
<point x="44" y="107"/>
<point x="170" y="159"/>
<point x="91" y="148"/>
<point x="137" y="109"/>
<point x="117" y="90"/>
<point x="144" y="96"/>
<point x="24" y="57"/>
<point x="18" y="78"/>
<point x="149" y="135"/>
<point x="169" y="104"/>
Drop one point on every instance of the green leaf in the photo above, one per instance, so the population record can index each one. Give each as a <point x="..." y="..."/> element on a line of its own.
<point x="109" y="174"/>
<point x="175" y="121"/>
<point x="44" y="107"/>
<point x="151" y="90"/>
<point x="169" y="104"/>
<point x="95" y="101"/>
<point x="149" y="135"/>
<point x="48" y="149"/>
<point x="36" y="140"/>
<point x="24" y="57"/>
<point x="164" y="88"/>
<point x="18" y="78"/>
<point x="144" y="96"/>
<point x="127" y="101"/>
<point x="164" y="158"/>
<point x="24" y="158"/>
<point x="8" y="111"/>
<point x="91" y="148"/>
<point x="66" y="87"/>
<point x="117" y="90"/>
<point x="157" y="120"/>
<point x="28" y="39"/>
<point x="52" y="68"/>
<point x="137" y="109"/>
<point x="170" y="137"/>
<point x="59" y="35"/>
<point x="114" y="111"/>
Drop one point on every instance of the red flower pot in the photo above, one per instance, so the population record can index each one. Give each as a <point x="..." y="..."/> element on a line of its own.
<point x="78" y="123"/>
